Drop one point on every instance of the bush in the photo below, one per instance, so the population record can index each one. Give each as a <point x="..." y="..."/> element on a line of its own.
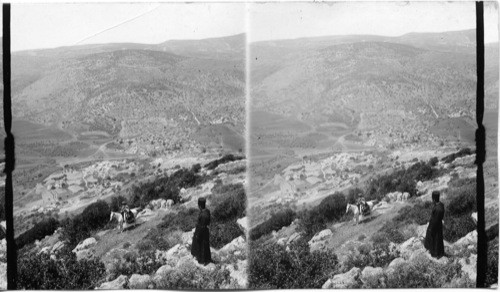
<point x="37" y="232"/>
<point x="225" y="159"/>
<point x="133" y="263"/>
<point x="231" y="205"/>
<point x="423" y="274"/>
<point x="433" y="161"/>
<point x="93" y="217"/>
<point x="492" y="270"/>
<point x="461" y="197"/>
<point x="396" y="229"/>
<point x="189" y="276"/>
<point x="271" y="266"/>
<point x="223" y="233"/>
<point x="276" y="222"/>
<point x="366" y="254"/>
<point x="165" y="187"/>
<point x="185" y="220"/>
<point x="455" y="228"/>
<point x="462" y="152"/>
<point x="159" y="239"/>
<point x="331" y="208"/>
<point x="196" y="168"/>
<point x="41" y="272"/>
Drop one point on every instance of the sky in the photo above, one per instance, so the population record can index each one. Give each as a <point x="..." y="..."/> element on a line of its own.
<point x="36" y="26"/>
<point x="271" y="21"/>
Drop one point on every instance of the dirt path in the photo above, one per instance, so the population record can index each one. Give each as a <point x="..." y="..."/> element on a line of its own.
<point x="346" y="231"/>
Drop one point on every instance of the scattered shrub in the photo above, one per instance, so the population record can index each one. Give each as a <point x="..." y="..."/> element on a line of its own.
<point x="423" y="274"/>
<point x="457" y="227"/>
<point x="191" y="277"/>
<point x="184" y="220"/>
<point x="462" y="152"/>
<point x="225" y="159"/>
<point x="165" y="187"/>
<point x="461" y="197"/>
<point x="271" y="266"/>
<point x="276" y="222"/>
<point x="37" y="232"/>
<point x="133" y="263"/>
<point x="231" y="205"/>
<point x="492" y="270"/>
<point x="331" y="208"/>
<point x="93" y="217"/>
<point x="159" y="239"/>
<point x="222" y="233"/>
<point x="196" y="168"/>
<point x="367" y="254"/>
<point x="41" y="272"/>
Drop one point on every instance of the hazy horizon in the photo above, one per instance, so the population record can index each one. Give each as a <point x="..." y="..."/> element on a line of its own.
<point x="54" y="25"/>
<point x="280" y="21"/>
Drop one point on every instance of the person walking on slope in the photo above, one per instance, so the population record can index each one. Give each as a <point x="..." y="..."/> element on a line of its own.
<point x="434" y="236"/>
<point x="200" y="247"/>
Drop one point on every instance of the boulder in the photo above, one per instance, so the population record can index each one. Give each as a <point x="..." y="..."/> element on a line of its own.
<point x="58" y="246"/>
<point x="187" y="237"/>
<point x="407" y="248"/>
<point x="469" y="266"/>
<point x="146" y="213"/>
<point x="117" y="284"/>
<point x="3" y="276"/>
<point x="469" y="239"/>
<point x="177" y="252"/>
<point x="236" y="244"/>
<point x="243" y="224"/>
<point x="396" y="263"/>
<point x="281" y="241"/>
<point x="45" y="249"/>
<point x="85" y="254"/>
<point x="372" y="277"/>
<point x="164" y="270"/>
<point x="3" y="250"/>
<point x="474" y="217"/>
<point x="344" y="281"/>
<point x="422" y="230"/>
<point x="137" y="281"/>
<point x="317" y="240"/>
<point x="238" y="273"/>
<point x="294" y="237"/>
<point x="86" y="244"/>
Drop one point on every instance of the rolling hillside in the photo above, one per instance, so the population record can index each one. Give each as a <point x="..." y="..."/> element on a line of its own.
<point x="153" y="95"/>
<point x="389" y="91"/>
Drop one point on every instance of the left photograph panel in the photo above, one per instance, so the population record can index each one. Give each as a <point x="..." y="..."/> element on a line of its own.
<point x="129" y="122"/>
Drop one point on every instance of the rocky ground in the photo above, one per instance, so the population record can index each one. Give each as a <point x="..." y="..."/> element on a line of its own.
<point x="345" y="238"/>
<point x="115" y="248"/>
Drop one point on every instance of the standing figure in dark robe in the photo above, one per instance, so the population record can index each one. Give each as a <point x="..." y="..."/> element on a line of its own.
<point x="200" y="248"/>
<point x="434" y="236"/>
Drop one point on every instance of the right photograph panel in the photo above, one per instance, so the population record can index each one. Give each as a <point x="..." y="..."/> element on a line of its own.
<point x="362" y="145"/>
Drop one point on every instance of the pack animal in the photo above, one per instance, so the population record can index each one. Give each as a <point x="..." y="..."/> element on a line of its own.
<point x="358" y="216"/>
<point x="122" y="224"/>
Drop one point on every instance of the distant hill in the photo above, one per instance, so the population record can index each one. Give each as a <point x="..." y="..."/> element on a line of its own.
<point x="391" y="88"/>
<point x="157" y="93"/>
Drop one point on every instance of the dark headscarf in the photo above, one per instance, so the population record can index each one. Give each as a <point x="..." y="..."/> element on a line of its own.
<point x="202" y="202"/>
<point x="435" y="196"/>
